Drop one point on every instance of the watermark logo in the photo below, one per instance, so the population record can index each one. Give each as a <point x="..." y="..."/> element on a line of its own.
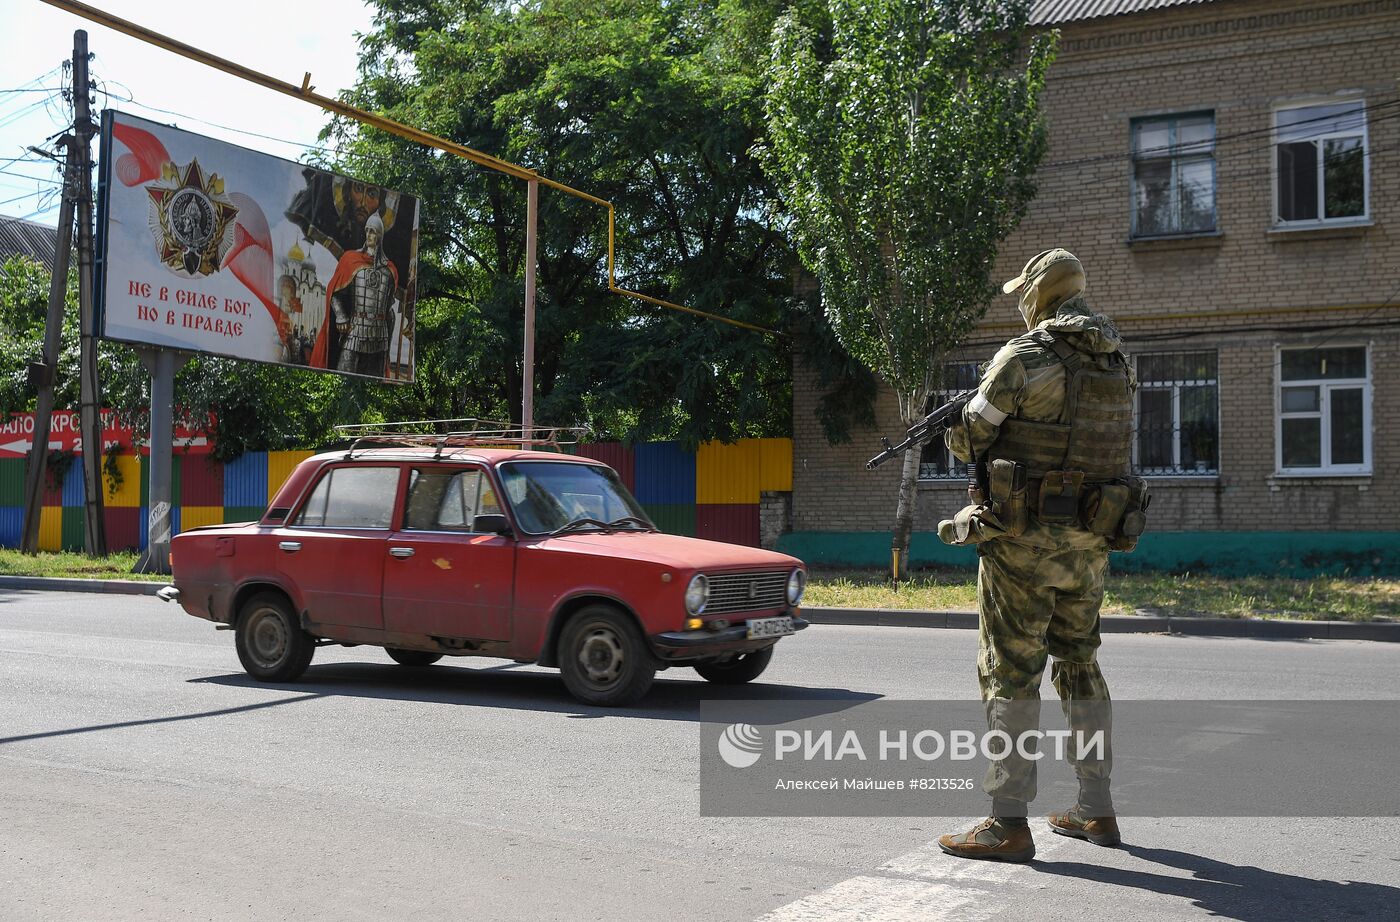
<point x="740" y="745"/>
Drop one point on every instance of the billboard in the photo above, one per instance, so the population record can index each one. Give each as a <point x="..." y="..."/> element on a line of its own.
<point x="209" y="247"/>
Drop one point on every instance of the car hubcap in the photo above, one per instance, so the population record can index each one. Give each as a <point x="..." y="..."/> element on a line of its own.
<point x="601" y="656"/>
<point x="267" y="636"/>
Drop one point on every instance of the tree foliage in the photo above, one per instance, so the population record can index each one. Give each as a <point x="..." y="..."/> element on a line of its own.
<point x="653" y="106"/>
<point x="904" y="136"/>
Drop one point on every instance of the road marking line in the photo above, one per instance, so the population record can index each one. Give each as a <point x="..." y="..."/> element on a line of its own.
<point x="924" y="884"/>
<point x="887" y="899"/>
<point x="929" y="863"/>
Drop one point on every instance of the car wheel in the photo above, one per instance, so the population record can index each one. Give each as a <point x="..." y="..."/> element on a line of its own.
<point x="271" y="644"/>
<point x="737" y="670"/>
<point x="412" y="657"/>
<point x="604" y="658"/>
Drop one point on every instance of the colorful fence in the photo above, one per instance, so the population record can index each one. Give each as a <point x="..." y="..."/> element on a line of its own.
<point x="712" y="493"/>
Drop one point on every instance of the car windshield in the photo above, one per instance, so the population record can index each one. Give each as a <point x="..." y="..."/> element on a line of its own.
<point x="548" y="496"/>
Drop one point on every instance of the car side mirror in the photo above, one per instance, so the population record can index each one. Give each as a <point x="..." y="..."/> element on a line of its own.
<point x="492" y="523"/>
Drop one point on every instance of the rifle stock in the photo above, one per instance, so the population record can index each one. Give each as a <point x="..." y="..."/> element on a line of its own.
<point x="931" y="425"/>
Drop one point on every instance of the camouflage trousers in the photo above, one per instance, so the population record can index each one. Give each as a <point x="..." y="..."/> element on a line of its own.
<point x="1036" y="602"/>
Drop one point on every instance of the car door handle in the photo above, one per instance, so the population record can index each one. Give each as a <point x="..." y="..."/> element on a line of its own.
<point x="291" y="547"/>
<point x="401" y="552"/>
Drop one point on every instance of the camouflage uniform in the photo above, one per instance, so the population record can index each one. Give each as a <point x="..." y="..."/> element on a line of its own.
<point x="1039" y="592"/>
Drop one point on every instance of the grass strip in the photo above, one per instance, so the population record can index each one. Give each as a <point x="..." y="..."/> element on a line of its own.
<point x="1325" y="598"/>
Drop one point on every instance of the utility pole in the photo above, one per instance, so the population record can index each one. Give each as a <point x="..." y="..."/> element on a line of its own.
<point x="90" y="388"/>
<point x="41" y="373"/>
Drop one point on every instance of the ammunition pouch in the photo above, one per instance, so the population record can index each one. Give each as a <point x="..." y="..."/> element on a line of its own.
<point x="1134" y="521"/>
<point x="1102" y="508"/>
<point x="1058" y="501"/>
<point x="1006" y="488"/>
<point x="1115" y="510"/>
<point x="973" y="524"/>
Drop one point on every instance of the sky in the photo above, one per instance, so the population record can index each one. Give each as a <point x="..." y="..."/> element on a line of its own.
<point x="281" y="38"/>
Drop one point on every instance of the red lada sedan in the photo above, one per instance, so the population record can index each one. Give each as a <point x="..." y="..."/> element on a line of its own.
<point x="533" y="556"/>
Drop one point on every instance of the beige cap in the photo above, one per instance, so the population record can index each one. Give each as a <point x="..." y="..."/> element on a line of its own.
<point x="1039" y="265"/>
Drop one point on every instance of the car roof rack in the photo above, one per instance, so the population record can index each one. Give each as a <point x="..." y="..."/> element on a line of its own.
<point x="463" y="433"/>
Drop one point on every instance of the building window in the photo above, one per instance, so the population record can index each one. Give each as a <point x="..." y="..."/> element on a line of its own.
<point x="1174" y="175"/>
<point x="936" y="462"/>
<point x="1324" y="411"/>
<point x="1321" y="163"/>
<point x="1178" y="414"/>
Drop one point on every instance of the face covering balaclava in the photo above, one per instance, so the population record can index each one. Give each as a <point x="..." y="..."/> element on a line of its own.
<point x="1047" y="281"/>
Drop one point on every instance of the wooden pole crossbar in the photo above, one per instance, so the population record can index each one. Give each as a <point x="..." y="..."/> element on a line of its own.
<point x="306" y="92"/>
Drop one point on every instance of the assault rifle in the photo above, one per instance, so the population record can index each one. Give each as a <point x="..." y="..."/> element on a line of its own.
<point x="931" y="425"/>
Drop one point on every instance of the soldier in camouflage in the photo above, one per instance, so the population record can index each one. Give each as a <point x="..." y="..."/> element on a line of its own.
<point x="1054" y="405"/>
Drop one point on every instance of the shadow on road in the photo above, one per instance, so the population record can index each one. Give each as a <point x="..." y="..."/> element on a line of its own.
<point x="501" y="687"/>
<point x="1242" y="892"/>
<point x="159" y="720"/>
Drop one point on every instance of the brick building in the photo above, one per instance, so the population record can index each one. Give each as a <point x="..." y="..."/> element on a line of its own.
<point x="1229" y="173"/>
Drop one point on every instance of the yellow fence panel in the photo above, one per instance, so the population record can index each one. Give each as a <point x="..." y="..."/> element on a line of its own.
<point x="127" y="493"/>
<point x="280" y="465"/>
<point x="195" y="516"/>
<point x="727" y="473"/>
<point x="775" y="465"/>
<point x="51" y="528"/>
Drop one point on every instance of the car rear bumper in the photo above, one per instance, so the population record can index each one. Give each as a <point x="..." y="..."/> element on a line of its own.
<point x="684" y="645"/>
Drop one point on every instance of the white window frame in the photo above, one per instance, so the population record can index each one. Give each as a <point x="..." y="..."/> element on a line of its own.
<point x="1175" y="155"/>
<point x="1175" y="387"/>
<point x="1325" y="387"/>
<point x="953" y="476"/>
<point x="1322" y="220"/>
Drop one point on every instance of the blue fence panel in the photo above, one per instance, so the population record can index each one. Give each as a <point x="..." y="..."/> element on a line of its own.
<point x="665" y="474"/>
<point x="245" y="480"/>
<point x="74" y="493"/>
<point x="11" y="525"/>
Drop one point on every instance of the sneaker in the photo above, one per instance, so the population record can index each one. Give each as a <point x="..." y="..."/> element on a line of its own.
<point x="1101" y="830"/>
<point x="991" y="840"/>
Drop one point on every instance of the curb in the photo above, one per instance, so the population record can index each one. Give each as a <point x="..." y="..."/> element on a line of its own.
<point x="1257" y="628"/>
<point x="1383" y="631"/>
<point x="59" y="584"/>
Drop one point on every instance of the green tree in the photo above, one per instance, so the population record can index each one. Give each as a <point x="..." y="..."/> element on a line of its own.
<point x="653" y="106"/>
<point x="904" y="136"/>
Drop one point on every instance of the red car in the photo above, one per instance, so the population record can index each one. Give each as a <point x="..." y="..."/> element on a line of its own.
<point x="460" y="550"/>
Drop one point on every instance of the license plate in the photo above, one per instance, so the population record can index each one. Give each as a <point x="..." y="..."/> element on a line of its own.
<point x="770" y="627"/>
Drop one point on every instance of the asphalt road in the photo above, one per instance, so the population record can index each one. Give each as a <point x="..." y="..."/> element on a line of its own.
<point x="143" y="775"/>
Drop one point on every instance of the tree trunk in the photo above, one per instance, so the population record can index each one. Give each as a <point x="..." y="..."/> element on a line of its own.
<point x="904" y="514"/>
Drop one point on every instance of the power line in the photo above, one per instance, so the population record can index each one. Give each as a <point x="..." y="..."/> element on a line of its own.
<point x="1218" y="139"/>
<point x="26" y="195"/>
<point x="57" y="182"/>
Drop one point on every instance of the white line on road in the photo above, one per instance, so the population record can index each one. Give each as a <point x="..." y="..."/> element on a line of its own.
<point x="924" y="885"/>
<point x="883" y="899"/>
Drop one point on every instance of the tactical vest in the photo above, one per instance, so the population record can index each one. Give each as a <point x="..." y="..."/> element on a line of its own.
<point x="1094" y="433"/>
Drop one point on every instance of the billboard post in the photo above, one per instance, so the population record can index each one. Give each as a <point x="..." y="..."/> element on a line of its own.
<point x="527" y="380"/>
<point x="162" y="364"/>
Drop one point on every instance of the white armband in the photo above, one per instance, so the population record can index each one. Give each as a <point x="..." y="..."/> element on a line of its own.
<point x="983" y="408"/>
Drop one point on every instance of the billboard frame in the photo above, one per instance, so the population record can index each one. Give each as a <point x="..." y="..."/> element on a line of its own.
<point x="103" y="241"/>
